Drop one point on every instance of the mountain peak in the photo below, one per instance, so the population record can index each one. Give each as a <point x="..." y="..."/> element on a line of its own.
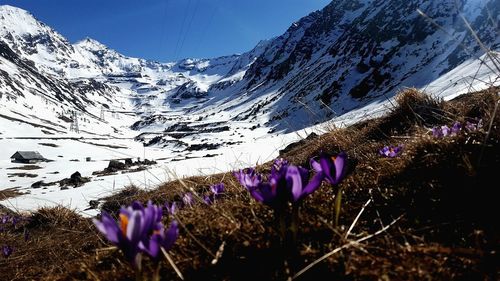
<point x="91" y="44"/>
<point x="5" y="9"/>
<point x="18" y="21"/>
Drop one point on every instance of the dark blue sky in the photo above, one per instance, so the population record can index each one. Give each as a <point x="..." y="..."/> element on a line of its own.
<point x="166" y="30"/>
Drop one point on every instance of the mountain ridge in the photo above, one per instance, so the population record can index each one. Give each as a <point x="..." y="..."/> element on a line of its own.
<point x="329" y="62"/>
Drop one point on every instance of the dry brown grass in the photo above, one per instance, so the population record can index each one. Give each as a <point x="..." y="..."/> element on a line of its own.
<point x="9" y="193"/>
<point x="444" y="188"/>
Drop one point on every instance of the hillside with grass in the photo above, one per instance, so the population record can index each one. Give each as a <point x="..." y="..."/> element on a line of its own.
<point x="406" y="196"/>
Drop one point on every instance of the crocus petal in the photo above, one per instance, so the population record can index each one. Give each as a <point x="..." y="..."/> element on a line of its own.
<point x="134" y="230"/>
<point x="294" y="180"/>
<point x="437" y="132"/>
<point x="188" y="199"/>
<point x="279" y="164"/>
<point x="148" y="219"/>
<point x="264" y="193"/>
<point x="173" y="208"/>
<point x="455" y="129"/>
<point x="217" y="189"/>
<point x="257" y="195"/>
<point x="108" y="227"/>
<point x="314" y="184"/>
<point x="327" y="166"/>
<point x="315" y="165"/>
<point x="340" y="165"/>
<point x="151" y="246"/>
<point x="207" y="200"/>
<point x="171" y="235"/>
<point x="446" y="130"/>
<point x="136" y="205"/>
<point x="100" y="226"/>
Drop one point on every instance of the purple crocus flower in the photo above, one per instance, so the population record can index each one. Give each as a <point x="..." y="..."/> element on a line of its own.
<point x="126" y="235"/>
<point x="279" y="163"/>
<point x="137" y="230"/>
<point x="333" y="168"/>
<point x="7" y="250"/>
<point x="217" y="189"/>
<point x="286" y="183"/>
<point x="273" y="192"/>
<point x="298" y="183"/>
<point x="456" y="128"/>
<point x="188" y="199"/>
<point x="5" y="219"/>
<point x="446" y="130"/>
<point x="249" y="178"/>
<point x="208" y="199"/>
<point x="390" y="151"/>
<point x="437" y="132"/>
<point x="473" y="126"/>
<point x="469" y="126"/>
<point x="159" y="238"/>
<point x="171" y="208"/>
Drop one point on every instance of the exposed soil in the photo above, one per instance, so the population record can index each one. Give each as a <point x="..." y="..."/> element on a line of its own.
<point x="21" y="175"/>
<point x="48" y="144"/>
<point x="25" y="167"/>
<point x="10" y="193"/>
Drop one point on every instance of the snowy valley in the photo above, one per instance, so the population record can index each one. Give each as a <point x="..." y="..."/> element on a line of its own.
<point x="84" y="100"/>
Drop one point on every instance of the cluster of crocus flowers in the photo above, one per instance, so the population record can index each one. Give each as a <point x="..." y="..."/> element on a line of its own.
<point x="390" y="151"/>
<point x="188" y="199"/>
<point x="8" y="219"/>
<point x="290" y="183"/>
<point x="285" y="183"/>
<point x="445" y="131"/>
<point x="139" y="230"/>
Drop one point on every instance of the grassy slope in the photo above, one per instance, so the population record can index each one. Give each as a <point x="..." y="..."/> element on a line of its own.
<point x="443" y="189"/>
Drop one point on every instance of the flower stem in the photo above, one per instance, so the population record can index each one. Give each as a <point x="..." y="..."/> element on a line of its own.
<point x="156" y="274"/>
<point x="294" y="227"/>
<point x="282" y="228"/>
<point x="138" y="270"/>
<point x="337" y="206"/>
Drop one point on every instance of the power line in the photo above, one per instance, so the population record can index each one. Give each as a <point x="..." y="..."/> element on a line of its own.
<point x="205" y="29"/>
<point x="181" y="29"/>
<point x="189" y="25"/>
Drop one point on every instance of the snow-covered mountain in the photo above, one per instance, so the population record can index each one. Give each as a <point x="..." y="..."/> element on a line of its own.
<point x="334" y="60"/>
<point x="355" y="51"/>
<point x="41" y="70"/>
